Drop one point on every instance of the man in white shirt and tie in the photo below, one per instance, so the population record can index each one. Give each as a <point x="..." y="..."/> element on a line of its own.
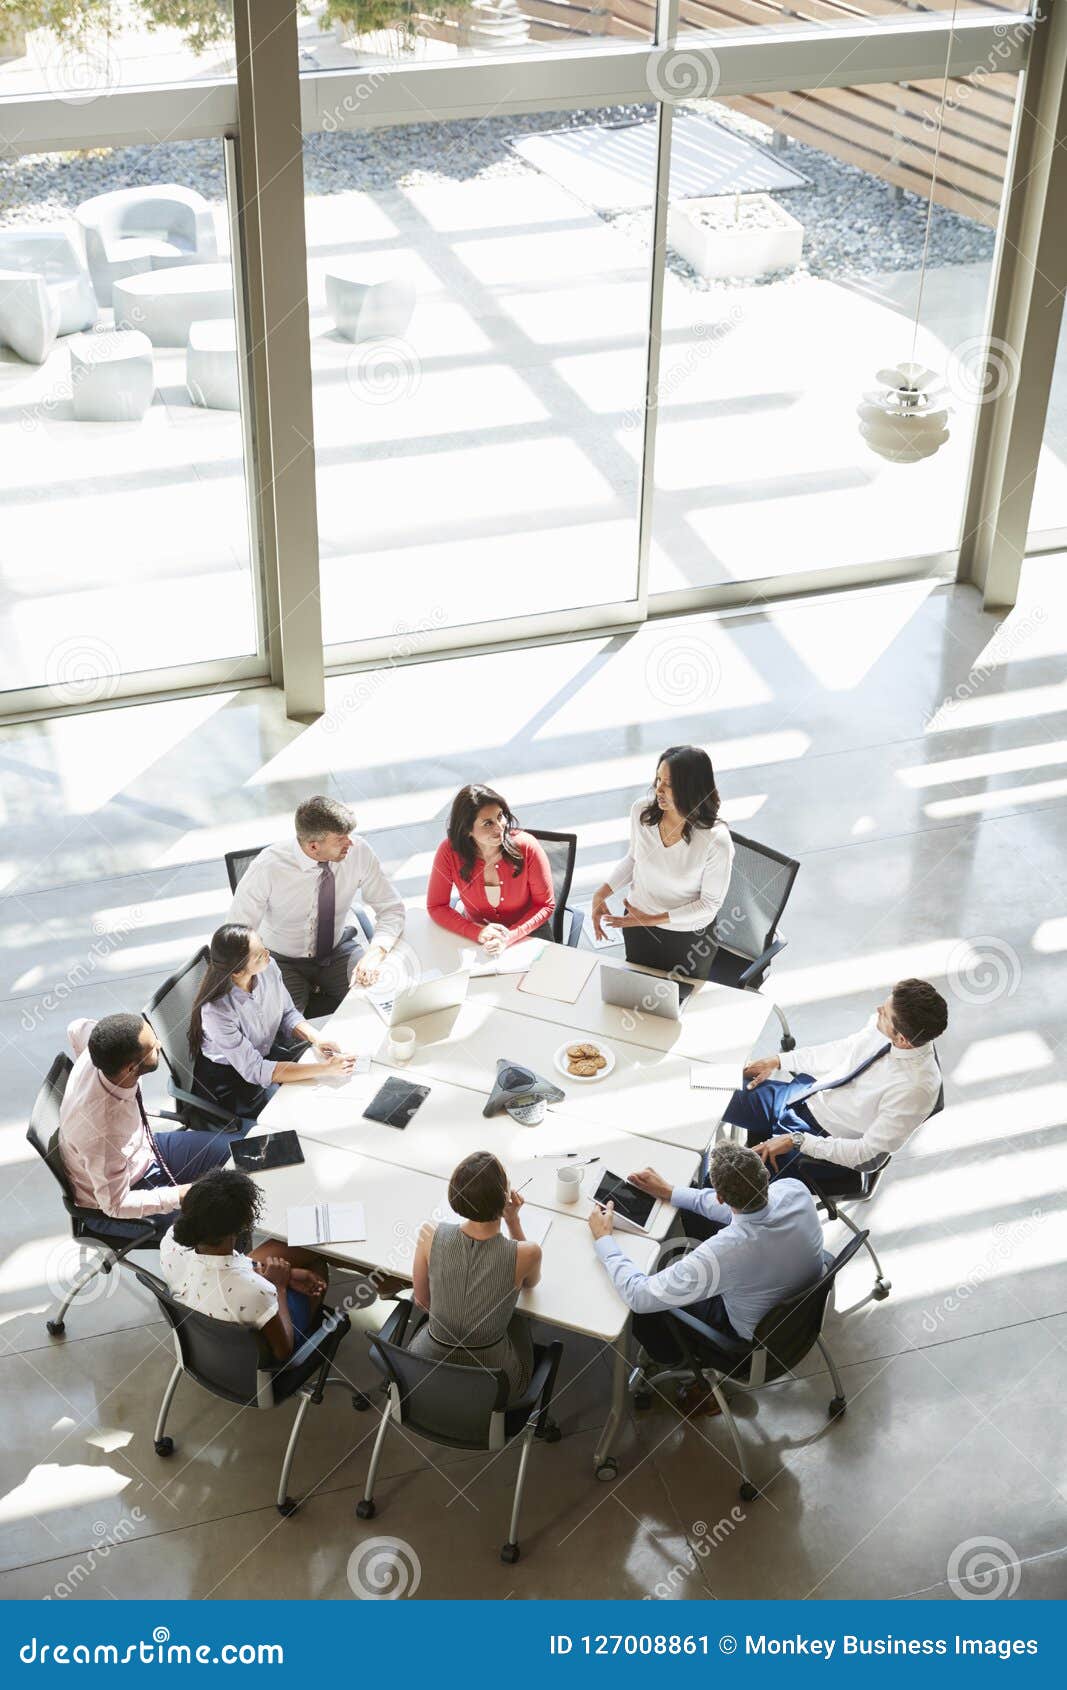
<point x="850" y="1100"/>
<point x="298" y="894"/>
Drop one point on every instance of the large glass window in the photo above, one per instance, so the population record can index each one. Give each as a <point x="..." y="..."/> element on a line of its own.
<point x="796" y="237"/>
<point x="342" y="34"/>
<point x="1048" y="513"/>
<point x="479" y="340"/>
<point x="124" y="545"/>
<point x="80" y="49"/>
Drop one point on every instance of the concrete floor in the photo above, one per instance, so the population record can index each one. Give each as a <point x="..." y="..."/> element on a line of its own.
<point x="912" y="757"/>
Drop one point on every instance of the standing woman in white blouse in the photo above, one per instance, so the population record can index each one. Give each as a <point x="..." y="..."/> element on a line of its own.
<point x="677" y="869"/>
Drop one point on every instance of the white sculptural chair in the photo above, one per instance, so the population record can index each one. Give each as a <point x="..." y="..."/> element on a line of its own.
<point x="29" y="316"/>
<point x="365" y="306"/>
<point x="133" y="230"/>
<point x="212" y="373"/>
<point x="54" y="252"/>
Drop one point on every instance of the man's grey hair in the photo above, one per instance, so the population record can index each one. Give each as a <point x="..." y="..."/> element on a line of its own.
<point x="316" y="817"/>
<point x="738" y="1177"/>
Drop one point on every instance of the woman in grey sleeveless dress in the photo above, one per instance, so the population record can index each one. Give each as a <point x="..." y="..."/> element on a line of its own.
<point x="468" y="1276"/>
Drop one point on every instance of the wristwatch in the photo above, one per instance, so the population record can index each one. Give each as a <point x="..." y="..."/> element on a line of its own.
<point x="798" y="1140"/>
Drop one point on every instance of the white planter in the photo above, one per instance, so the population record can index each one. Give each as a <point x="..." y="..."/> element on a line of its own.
<point x="764" y="239"/>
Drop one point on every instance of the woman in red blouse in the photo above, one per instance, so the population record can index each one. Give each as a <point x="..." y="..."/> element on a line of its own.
<point x="502" y="875"/>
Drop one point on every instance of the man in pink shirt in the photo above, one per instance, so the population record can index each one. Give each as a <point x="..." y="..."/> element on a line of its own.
<point x="114" y="1161"/>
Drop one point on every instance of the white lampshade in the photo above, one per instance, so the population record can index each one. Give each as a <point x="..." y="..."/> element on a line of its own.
<point x="903" y="421"/>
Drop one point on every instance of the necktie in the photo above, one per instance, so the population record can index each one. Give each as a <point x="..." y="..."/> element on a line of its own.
<point x="846" y="1079"/>
<point x="327" y="906"/>
<point x="150" y="1135"/>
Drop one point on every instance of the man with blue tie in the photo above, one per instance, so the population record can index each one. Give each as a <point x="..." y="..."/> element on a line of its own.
<point x="851" y="1100"/>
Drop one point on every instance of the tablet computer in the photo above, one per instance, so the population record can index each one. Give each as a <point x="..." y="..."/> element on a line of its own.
<point x="395" y="1103"/>
<point x="632" y="1204"/>
<point x="273" y="1150"/>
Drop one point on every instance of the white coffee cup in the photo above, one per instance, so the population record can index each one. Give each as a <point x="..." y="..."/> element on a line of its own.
<point x="401" y="1044"/>
<point x="568" y="1184"/>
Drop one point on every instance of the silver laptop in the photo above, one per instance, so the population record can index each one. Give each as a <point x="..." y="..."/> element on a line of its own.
<point x="440" y="991"/>
<point x="643" y="994"/>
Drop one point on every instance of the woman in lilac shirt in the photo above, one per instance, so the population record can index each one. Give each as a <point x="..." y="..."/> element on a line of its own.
<point x="245" y="1032"/>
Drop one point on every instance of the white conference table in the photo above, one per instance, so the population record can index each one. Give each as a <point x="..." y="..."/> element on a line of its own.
<point x="644" y="1112"/>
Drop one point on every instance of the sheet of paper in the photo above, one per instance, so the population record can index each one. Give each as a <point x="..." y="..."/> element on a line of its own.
<point x="535" y="1222"/>
<point x="515" y="960"/>
<point x="560" y="972"/>
<point x="715" y="1076"/>
<point x="326" y="1223"/>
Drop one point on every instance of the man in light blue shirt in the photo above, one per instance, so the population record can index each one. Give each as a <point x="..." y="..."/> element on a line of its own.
<point x="767" y="1245"/>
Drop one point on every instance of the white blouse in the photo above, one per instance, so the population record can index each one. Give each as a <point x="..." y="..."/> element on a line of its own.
<point x="689" y="880"/>
<point x="225" y="1287"/>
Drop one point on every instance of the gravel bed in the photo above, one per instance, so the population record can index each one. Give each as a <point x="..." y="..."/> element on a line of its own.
<point x="854" y="224"/>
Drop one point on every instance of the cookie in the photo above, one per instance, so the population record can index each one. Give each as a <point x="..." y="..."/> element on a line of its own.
<point x="599" y="1061"/>
<point x="583" y="1068"/>
<point x="578" y="1052"/>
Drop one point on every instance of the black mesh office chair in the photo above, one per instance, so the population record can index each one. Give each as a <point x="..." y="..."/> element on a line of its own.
<point x="782" y="1339"/>
<point x="460" y="1407"/>
<point x="232" y="1362"/>
<point x="43" y="1134"/>
<point x="746" y="927"/>
<point x="168" y="1013"/>
<point x="858" y="1185"/>
<point x="561" y="849"/>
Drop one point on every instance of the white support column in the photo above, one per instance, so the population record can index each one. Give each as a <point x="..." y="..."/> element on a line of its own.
<point x="1024" y="324"/>
<point x="270" y="218"/>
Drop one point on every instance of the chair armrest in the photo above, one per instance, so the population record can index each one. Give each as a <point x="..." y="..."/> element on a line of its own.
<point x="394" y="1328"/>
<point x="574" y="932"/>
<point x="716" y="1340"/>
<point x="205" y="1106"/>
<point x="324" y="1340"/>
<point x="762" y="962"/>
<point x="542" y="1377"/>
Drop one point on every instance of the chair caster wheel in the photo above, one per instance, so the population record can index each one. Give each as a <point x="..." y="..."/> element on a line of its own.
<point x="642" y="1399"/>
<point x="551" y="1433"/>
<point x="164" y="1446"/>
<point x="288" y="1507"/>
<point x="510" y="1554"/>
<point x="359" y="1402"/>
<point x="608" y="1470"/>
<point x="749" y="1493"/>
<point x="837" y="1408"/>
<point x="881" y="1290"/>
<point x="55" y="1328"/>
<point x="365" y="1509"/>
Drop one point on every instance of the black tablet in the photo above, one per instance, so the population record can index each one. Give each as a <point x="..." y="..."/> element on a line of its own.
<point x="273" y="1150"/>
<point x="395" y="1103"/>
<point x="628" y="1200"/>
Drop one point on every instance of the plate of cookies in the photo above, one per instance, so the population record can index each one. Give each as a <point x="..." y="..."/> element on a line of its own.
<point x="585" y="1060"/>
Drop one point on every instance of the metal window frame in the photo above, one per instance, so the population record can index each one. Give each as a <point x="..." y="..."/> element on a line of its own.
<point x="269" y="81"/>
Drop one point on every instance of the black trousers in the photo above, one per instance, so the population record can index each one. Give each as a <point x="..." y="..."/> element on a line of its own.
<point x="655" y="1333"/>
<point x="689" y="954"/>
<point x="232" y="1091"/>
